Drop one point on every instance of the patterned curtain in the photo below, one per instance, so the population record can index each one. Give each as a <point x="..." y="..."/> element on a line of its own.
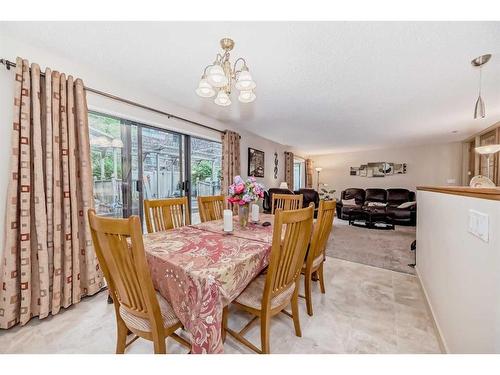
<point x="309" y="174"/>
<point x="289" y="169"/>
<point x="49" y="261"/>
<point x="231" y="165"/>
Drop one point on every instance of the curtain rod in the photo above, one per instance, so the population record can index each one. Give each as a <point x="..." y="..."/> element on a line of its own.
<point x="8" y="64"/>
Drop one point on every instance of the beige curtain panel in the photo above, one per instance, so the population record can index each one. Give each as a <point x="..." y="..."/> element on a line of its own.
<point x="231" y="162"/>
<point x="49" y="261"/>
<point x="309" y="174"/>
<point x="289" y="169"/>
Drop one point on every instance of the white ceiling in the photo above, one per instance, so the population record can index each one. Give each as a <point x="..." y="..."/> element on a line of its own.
<point x="321" y="86"/>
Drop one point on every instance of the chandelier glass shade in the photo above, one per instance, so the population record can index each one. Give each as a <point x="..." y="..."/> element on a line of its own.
<point x="216" y="76"/>
<point x="219" y="77"/>
<point x="222" y="99"/>
<point x="246" y="96"/>
<point x="205" y="90"/>
<point x="244" y="81"/>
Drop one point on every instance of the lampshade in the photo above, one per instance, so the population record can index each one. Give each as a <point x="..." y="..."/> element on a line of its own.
<point x="216" y="76"/>
<point x="244" y="81"/>
<point x="283" y="185"/>
<point x="222" y="99"/>
<point x="246" y="96"/>
<point x="318" y="169"/>
<point x="479" y="110"/>
<point x="488" y="149"/>
<point x="205" y="90"/>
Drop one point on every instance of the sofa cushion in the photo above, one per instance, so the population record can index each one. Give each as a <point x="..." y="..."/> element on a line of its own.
<point x="376" y="195"/>
<point x="397" y="196"/>
<point x="354" y="193"/>
<point x="400" y="214"/>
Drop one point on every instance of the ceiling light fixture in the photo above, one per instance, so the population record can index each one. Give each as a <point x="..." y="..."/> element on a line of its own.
<point x="479" y="109"/>
<point x="219" y="77"/>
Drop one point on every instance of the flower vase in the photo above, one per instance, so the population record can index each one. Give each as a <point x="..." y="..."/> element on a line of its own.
<point x="243" y="212"/>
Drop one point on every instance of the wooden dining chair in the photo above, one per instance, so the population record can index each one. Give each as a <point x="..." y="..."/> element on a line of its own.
<point x="211" y="207"/>
<point x="317" y="250"/>
<point x="286" y="202"/>
<point x="164" y="214"/>
<point x="270" y="293"/>
<point x="138" y="307"/>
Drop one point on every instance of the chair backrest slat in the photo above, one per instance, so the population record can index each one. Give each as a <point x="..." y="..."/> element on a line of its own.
<point x="211" y="207"/>
<point x="286" y="202"/>
<point x="288" y="251"/>
<point x="120" y="250"/>
<point x="322" y="230"/>
<point x="165" y="214"/>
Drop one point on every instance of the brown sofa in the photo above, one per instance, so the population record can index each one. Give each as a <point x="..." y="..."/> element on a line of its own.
<point x="393" y="197"/>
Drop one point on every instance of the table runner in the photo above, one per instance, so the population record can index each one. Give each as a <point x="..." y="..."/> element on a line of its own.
<point x="199" y="271"/>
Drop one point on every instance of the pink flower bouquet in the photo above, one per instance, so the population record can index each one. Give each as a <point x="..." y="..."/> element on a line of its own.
<point x="244" y="192"/>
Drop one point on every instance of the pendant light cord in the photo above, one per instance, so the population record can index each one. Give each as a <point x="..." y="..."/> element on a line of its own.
<point x="480" y="78"/>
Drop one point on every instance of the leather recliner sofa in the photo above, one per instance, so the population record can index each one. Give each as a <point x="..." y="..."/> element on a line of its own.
<point x="392" y="197"/>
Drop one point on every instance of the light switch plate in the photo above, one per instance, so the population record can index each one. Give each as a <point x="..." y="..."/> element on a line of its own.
<point x="479" y="224"/>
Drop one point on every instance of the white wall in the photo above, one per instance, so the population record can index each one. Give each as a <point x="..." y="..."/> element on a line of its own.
<point x="459" y="272"/>
<point x="426" y="165"/>
<point x="11" y="48"/>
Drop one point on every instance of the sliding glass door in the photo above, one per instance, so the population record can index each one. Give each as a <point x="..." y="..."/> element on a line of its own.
<point x="132" y="162"/>
<point x="205" y="163"/>
<point x="106" y="148"/>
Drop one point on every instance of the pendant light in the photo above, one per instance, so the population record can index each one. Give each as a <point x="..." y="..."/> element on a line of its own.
<point x="479" y="109"/>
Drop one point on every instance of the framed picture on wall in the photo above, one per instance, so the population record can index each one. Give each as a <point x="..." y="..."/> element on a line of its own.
<point x="363" y="170"/>
<point x="255" y="162"/>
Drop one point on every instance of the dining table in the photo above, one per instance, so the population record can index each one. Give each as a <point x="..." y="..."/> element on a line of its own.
<point x="199" y="269"/>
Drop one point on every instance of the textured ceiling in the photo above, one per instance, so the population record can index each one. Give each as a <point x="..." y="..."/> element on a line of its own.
<point x="321" y="86"/>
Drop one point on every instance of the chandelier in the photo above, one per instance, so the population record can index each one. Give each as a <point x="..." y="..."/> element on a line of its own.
<point x="218" y="78"/>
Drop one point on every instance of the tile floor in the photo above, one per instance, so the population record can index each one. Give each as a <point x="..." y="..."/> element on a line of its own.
<point x="365" y="310"/>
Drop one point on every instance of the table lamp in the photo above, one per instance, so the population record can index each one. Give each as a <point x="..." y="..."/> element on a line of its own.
<point x="283" y="185"/>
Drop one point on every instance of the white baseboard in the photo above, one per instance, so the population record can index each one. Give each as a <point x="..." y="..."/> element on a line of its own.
<point x="437" y="328"/>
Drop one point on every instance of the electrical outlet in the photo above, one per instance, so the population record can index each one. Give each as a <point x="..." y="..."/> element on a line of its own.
<point x="479" y="224"/>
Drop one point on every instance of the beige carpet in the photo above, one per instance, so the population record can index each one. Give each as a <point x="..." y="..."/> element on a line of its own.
<point x="389" y="249"/>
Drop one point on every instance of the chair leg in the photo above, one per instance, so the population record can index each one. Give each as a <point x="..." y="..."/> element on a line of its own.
<point x="264" y="334"/>
<point x="307" y="290"/>
<point x="121" y="337"/>
<point x="224" y="323"/>
<point x="295" y="311"/>
<point x="321" y="278"/>
<point x="159" y="346"/>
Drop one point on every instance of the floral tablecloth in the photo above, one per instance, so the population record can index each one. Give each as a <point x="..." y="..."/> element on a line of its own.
<point x="201" y="270"/>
